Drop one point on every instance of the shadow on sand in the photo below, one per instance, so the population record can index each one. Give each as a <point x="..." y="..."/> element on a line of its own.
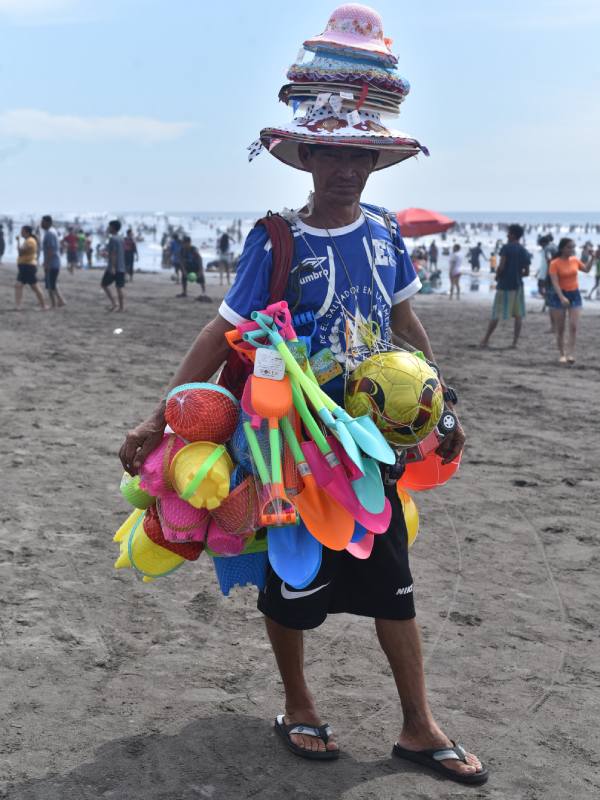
<point x="225" y="757"/>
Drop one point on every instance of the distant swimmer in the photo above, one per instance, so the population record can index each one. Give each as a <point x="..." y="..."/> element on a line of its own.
<point x="565" y="298"/>
<point x="509" y="300"/>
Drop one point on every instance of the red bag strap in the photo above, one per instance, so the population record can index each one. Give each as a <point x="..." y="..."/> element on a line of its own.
<point x="236" y="370"/>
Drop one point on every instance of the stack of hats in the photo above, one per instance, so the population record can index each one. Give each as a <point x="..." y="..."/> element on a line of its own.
<point x="340" y="95"/>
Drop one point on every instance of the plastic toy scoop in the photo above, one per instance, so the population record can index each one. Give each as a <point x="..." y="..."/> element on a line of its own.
<point x="294" y="554"/>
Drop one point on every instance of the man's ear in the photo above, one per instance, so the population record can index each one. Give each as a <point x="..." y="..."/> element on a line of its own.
<point x="303" y="153"/>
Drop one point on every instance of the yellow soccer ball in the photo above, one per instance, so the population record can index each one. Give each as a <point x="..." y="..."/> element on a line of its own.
<point x="400" y="392"/>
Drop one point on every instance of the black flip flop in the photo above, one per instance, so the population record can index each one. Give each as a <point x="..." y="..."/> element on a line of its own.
<point x="321" y="732"/>
<point x="432" y="759"/>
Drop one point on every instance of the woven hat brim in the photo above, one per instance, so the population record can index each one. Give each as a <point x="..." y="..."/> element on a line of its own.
<point x="392" y="149"/>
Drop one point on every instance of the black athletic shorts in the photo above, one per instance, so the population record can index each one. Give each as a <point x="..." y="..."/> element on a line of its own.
<point x="380" y="586"/>
<point x="27" y="274"/>
<point x="109" y="277"/>
<point x="50" y="278"/>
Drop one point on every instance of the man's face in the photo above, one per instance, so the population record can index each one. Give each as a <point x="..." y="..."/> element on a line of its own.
<point x="45" y="224"/>
<point x="339" y="173"/>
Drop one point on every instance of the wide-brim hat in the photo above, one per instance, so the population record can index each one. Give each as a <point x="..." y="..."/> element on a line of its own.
<point x="323" y="126"/>
<point x="356" y="28"/>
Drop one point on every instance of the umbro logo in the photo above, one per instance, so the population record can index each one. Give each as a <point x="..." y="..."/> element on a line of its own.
<point x="404" y="590"/>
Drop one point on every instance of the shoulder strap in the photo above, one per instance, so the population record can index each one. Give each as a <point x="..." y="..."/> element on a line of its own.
<point x="282" y="244"/>
<point x="235" y="371"/>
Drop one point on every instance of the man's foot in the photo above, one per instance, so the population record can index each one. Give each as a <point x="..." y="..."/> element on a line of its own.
<point x="570" y="359"/>
<point x="483" y="344"/>
<point x="181" y="295"/>
<point x="309" y="716"/>
<point x="434" y="738"/>
<point x="562" y="360"/>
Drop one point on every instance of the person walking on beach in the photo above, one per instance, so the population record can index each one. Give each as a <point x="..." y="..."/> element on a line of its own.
<point x="2" y="243"/>
<point x="509" y="300"/>
<point x="370" y="277"/>
<point x="27" y="267"/>
<point x="89" y="249"/>
<point x="70" y="243"/>
<point x="224" y="257"/>
<point x="51" y="256"/>
<point x="565" y="299"/>
<point x="131" y="253"/>
<point x="115" y="271"/>
<point x="455" y="266"/>
<point x="596" y="262"/>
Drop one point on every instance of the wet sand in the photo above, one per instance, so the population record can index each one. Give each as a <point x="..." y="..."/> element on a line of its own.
<point x="117" y="689"/>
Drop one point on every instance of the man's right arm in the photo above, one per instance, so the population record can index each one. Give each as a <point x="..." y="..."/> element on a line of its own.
<point x="203" y="359"/>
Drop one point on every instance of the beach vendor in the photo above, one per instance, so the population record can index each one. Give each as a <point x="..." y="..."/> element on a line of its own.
<point x="351" y="272"/>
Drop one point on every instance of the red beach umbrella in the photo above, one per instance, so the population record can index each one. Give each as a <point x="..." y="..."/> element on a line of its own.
<point x="420" y="222"/>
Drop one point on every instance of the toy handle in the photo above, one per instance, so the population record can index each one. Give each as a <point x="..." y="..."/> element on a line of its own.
<point x="252" y="337"/>
<point x="236" y="343"/>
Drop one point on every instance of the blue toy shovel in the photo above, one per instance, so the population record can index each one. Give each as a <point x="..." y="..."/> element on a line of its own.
<point x="295" y="554"/>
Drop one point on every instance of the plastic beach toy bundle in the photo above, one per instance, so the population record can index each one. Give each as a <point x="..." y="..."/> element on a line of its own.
<point x="283" y="474"/>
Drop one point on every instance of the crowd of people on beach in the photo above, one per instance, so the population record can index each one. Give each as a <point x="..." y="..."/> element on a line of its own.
<point x="509" y="261"/>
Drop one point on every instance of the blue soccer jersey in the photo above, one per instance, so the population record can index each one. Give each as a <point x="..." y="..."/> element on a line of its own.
<point x="348" y="277"/>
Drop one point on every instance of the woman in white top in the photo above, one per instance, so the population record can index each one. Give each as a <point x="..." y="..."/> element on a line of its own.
<point x="455" y="271"/>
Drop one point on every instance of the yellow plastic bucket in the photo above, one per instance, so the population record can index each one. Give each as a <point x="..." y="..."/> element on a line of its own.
<point x="144" y="556"/>
<point x="200" y="474"/>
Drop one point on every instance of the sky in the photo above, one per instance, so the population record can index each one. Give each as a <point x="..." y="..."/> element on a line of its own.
<point x="149" y="106"/>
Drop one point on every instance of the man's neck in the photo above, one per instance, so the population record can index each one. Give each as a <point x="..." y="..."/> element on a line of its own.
<point x="325" y="215"/>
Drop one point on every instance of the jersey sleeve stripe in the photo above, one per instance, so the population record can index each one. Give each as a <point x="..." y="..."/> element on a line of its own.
<point x="229" y="315"/>
<point x="406" y="292"/>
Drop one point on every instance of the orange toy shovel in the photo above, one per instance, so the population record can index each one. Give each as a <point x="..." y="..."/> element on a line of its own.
<point x="272" y="400"/>
<point x="325" y="518"/>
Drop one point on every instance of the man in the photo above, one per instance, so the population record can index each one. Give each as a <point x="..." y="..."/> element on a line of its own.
<point x="509" y="300"/>
<point x="191" y="264"/>
<point x="475" y="254"/>
<point x="2" y="242"/>
<point x="131" y="253"/>
<point x="70" y="243"/>
<point x="433" y="256"/>
<point x="115" y="270"/>
<point x="51" y="261"/>
<point x="352" y="271"/>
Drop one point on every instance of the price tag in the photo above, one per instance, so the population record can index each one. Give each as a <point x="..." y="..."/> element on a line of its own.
<point x="269" y="364"/>
<point x="346" y="95"/>
<point x="353" y="118"/>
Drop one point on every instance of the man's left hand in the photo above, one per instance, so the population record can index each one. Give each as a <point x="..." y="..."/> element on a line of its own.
<point x="452" y="444"/>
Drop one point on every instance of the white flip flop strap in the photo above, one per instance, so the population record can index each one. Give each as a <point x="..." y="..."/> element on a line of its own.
<point x="456" y="753"/>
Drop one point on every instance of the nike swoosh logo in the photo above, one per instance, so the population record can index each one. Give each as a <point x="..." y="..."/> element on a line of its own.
<point x="288" y="594"/>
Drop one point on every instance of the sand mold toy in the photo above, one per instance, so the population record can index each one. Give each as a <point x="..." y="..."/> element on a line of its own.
<point x="200" y="474"/>
<point x="154" y="472"/>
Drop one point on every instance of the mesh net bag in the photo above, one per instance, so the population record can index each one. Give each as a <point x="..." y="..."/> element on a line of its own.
<point x="180" y="521"/>
<point x="154" y="472"/>
<point x="202" y="412"/>
<point x="238" y="513"/>
<point x="238" y="446"/>
<point x="153" y="530"/>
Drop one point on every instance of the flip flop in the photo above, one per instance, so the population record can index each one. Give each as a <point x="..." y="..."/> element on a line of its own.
<point x="321" y="732"/>
<point x="433" y="758"/>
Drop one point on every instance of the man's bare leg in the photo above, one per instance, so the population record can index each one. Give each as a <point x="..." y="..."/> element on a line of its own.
<point x="121" y="296"/>
<point x="401" y="643"/>
<point x="491" y="328"/>
<point x="40" y="296"/>
<point x="288" y="647"/>
<point x="517" y="330"/>
<point x="18" y="295"/>
<point x="111" y="297"/>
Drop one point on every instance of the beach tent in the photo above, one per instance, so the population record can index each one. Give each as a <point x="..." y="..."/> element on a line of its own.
<point x="420" y="222"/>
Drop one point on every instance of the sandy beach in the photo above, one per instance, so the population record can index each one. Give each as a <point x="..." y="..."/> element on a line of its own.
<point x="120" y="690"/>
